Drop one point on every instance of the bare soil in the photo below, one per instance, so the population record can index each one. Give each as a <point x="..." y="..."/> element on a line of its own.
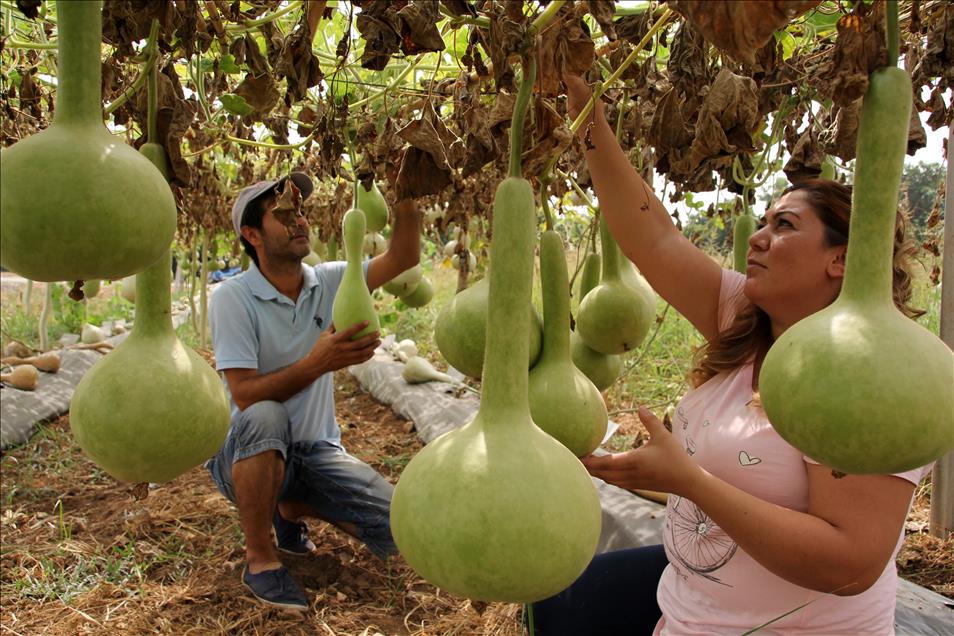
<point x="82" y="554"/>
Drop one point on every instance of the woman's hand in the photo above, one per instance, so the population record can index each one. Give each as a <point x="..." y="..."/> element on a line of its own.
<point x="577" y="94"/>
<point x="662" y="464"/>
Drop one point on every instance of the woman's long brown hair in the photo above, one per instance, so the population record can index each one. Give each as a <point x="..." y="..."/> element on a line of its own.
<point x="749" y="336"/>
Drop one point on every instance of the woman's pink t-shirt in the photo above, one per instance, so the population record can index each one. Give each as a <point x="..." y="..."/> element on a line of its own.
<point x="711" y="585"/>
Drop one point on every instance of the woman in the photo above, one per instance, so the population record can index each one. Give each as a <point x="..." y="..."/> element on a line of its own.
<point x="754" y="529"/>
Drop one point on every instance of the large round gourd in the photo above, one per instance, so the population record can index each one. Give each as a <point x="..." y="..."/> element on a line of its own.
<point x="77" y="202"/>
<point x="374" y="206"/>
<point x="858" y="386"/>
<point x="563" y="401"/>
<point x="614" y="317"/>
<point x="460" y="330"/>
<point x="499" y="510"/>
<point x="353" y="302"/>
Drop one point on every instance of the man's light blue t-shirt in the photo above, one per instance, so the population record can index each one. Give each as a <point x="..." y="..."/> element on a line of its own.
<point x="256" y="327"/>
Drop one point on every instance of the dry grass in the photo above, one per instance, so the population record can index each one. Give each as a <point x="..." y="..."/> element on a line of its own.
<point x="80" y="554"/>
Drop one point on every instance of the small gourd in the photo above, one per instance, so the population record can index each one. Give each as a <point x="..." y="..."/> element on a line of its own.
<point x="563" y="401"/>
<point x="372" y="203"/>
<point x="741" y="232"/>
<point x="24" y="377"/>
<point x="91" y="288"/>
<point x="858" y="386"/>
<point x="460" y="330"/>
<point x="601" y="368"/>
<point x="405" y="282"/>
<point x="78" y="203"/>
<point x="614" y="317"/>
<point x="353" y="302"/>
<point x="422" y="294"/>
<point x="127" y="288"/>
<point x="374" y="244"/>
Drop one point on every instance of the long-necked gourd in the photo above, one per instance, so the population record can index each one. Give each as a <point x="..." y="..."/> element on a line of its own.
<point x="461" y="326"/>
<point x="563" y="401"/>
<point x="602" y="369"/>
<point x="153" y="408"/>
<point x="498" y="510"/>
<point x="741" y="231"/>
<point x="77" y="202"/>
<point x="372" y="203"/>
<point x="858" y="386"/>
<point x="614" y="317"/>
<point x="353" y="302"/>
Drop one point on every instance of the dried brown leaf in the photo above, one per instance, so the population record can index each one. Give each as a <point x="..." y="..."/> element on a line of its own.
<point x="740" y="28"/>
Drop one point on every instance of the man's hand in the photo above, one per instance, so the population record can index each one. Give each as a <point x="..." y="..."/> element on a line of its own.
<point x="336" y="350"/>
<point x="661" y="465"/>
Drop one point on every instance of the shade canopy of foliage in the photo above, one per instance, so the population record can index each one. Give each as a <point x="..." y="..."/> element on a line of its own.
<point x="418" y="94"/>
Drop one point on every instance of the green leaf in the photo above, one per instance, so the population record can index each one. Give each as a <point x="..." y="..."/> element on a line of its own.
<point x="788" y="43"/>
<point x="228" y="65"/>
<point x="236" y="104"/>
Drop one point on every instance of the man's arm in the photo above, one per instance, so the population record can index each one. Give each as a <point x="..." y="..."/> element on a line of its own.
<point x="404" y="250"/>
<point x="332" y="351"/>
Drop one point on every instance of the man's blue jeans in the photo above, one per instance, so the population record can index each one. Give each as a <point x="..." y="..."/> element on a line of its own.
<point x="338" y="486"/>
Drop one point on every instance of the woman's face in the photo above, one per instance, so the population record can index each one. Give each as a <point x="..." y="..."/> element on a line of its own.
<point x="791" y="272"/>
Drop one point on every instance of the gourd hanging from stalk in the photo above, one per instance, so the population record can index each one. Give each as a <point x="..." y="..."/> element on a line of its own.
<point x="498" y="510"/>
<point x="77" y="202"/>
<point x="461" y="327"/>
<point x="858" y="386"/>
<point x="353" y="302"/>
<point x="563" y="401"/>
<point x="616" y="315"/>
<point x="422" y="294"/>
<point x="405" y="282"/>
<point x="372" y="203"/>
<point x="601" y="368"/>
<point x="741" y="232"/>
<point x="153" y="408"/>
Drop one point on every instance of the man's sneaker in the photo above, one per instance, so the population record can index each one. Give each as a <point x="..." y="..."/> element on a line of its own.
<point x="276" y="588"/>
<point x="292" y="536"/>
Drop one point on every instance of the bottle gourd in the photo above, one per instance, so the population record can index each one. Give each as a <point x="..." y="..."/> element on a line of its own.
<point x="858" y="386"/>
<point x="461" y="326"/>
<point x="602" y="369"/>
<point x="498" y="510"/>
<point x="616" y="315"/>
<point x="153" y="408"/>
<point x="563" y="401"/>
<point x="78" y="203"/>
<point x="353" y="302"/>
<point x="374" y="206"/>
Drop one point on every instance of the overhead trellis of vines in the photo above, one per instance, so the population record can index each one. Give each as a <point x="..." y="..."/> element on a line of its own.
<point x="418" y="94"/>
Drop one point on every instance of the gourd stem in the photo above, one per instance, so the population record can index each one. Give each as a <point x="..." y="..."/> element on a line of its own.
<point x="152" y="63"/>
<point x="154" y="298"/>
<point x="519" y="114"/>
<point x="555" y="281"/>
<point x="610" y="252"/>
<point x="78" y="94"/>
<point x="882" y="140"/>
<point x="892" y="32"/>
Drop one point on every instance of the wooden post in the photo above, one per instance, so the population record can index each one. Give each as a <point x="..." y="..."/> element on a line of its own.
<point x="942" y="479"/>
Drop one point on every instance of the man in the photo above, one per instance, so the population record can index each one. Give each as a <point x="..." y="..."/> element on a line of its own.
<point x="275" y="344"/>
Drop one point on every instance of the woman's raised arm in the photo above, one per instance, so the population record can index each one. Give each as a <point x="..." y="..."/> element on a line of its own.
<point x="679" y="272"/>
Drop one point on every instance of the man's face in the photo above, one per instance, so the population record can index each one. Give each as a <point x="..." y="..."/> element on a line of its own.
<point x="284" y="232"/>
